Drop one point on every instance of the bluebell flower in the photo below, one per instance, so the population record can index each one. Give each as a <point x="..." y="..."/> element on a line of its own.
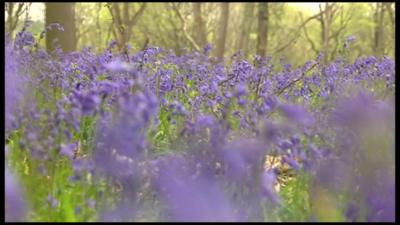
<point x="15" y="205"/>
<point x="268" y="179"/>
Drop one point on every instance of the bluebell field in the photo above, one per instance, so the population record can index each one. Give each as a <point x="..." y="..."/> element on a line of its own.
<point x="152" y="136"/>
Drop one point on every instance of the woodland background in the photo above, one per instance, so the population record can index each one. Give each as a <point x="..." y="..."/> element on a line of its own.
<point x="292" y="31"/>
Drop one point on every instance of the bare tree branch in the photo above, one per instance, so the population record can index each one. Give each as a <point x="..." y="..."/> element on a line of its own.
<point x="14" y="15"/>
<point x="17" y="14"/>
<point x="186" y="34"/>
<point x="297" y="31"/>
<point x="343" y="24"/>
<point x="123" y="27"/>
<point x="280" y="91"/>
<point x="109" y="32"/>
<point x="176" y="38"/>
<point x="135" y="17"/>
<point x="146" y="43"/>
<point x="308" y="37"/>
<point x="126" y="13"/>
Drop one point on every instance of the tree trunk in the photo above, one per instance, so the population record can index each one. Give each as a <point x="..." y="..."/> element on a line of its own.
<point x="120" y="28"/>
<point x="64" y="14"/>
<point x="325" y="24"/>
<point x="10" y="18"/>
<point x="262" y="35"/>
<point x="124" y="22"/>
<point x="199" y="26"/>
<point x="98" y="26"/>
<point x="223" y="25"/>
<point x="326" y="18"/>
<point x="245" y="27"/>
<point x="390" y="12"/>
<point x="14" y="12"/>
<point x="378" y="37"/>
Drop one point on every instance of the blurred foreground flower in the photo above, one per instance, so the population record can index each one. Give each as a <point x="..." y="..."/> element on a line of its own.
<point x="15" y="205"/>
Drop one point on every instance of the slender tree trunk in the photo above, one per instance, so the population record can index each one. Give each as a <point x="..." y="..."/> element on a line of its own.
<point x="10" y="18"/>
<point x="325" y="25"/>
<point x="98" y="27"/>
<point x="390" y="12"/>
<point x="262" y="29"/>
<point x="64" y="14"/>
<point x="175" y="31"/>
<point x="120" y="28"/>
<point x="124" y="22"/>
<point x="379" y="31"/>
<point x="245" y="27"/>
<point x="326" y="18"/>
<point x="221" y="35"/>
<point x="14" y="12"/>
<point x="199" y="26"/>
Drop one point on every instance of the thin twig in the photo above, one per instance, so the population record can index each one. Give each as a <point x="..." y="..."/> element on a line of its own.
<point x="280" y="91"/>
<point x="309" y="38"/>
<point x="186" y="34"/>
<point x="135" y="17"/>
<point x="298" y="30"/>
<point x="231" y="76"/>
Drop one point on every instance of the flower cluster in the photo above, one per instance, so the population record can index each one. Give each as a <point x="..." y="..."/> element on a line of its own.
<point x="156" y="136"/>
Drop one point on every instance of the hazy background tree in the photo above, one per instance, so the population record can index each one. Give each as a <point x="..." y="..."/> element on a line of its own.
<point x="381" y="8"/>
<point x="184" y="25"/>
<point x="283" y="30"/>
<point x="262" y="37"/>
<point x="14" y="12"/>
<point x="63" y="14"/>
<point x="199" y="26"/>
<point x="123" y="20"/>
<point x="221" y="35"/>
<point x="326" y="17"/>
<point x="244" y="33"/>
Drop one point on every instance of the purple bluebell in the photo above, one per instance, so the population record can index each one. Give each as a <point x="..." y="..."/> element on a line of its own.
<point x="52" y="201"/>
<point x="15" y="204"/>
<point x="268" y="180"/>
<point x="68" y="150"/>
<point x="297" y="114"/>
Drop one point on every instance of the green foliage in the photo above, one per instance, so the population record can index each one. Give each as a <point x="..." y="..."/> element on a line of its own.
<point x="295" y="197"/>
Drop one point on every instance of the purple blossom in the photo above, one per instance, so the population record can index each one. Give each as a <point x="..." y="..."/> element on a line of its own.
<point x="297" y="114"/>
<point x="119" y="66"/>
<point x="268" y="179"/>
<point x="15" y="205"/>
<point x="54" y="25"/>
<point x="201" y="157"/>
<point x="241" y="90"/>
<point x="53" y="202"/>
<point x="89" y="103"/>
<point x="68" y="150"/>
<point x="207" y="48"/>
<point x="291" y="162"/>
<point x="195" y="200"/>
